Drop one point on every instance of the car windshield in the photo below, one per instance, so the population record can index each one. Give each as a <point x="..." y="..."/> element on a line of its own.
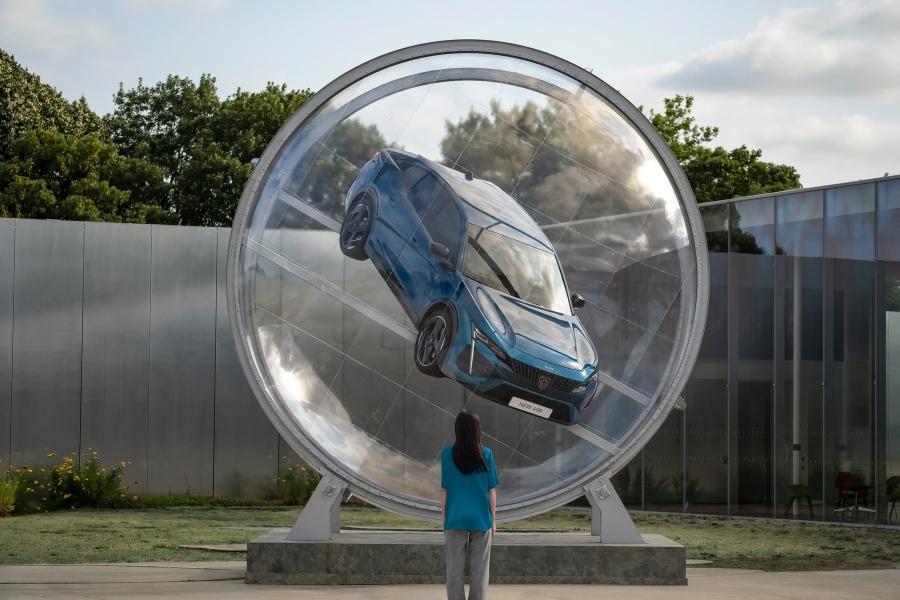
<point x="515" y="268"/>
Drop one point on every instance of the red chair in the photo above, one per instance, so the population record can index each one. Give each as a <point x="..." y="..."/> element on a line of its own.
<point x="850" y="492"/>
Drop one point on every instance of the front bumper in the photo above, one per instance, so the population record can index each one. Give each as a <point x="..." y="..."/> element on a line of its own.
<point x="502" y="379"/>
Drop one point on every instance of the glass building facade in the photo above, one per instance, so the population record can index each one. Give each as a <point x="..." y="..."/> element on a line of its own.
<point x="793" y="408"/>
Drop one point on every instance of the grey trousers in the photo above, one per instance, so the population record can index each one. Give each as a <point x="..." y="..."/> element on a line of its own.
<point x="477" y="545"/>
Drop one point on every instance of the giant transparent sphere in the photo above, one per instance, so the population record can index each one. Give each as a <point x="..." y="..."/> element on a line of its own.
<point x="467" y="225"/>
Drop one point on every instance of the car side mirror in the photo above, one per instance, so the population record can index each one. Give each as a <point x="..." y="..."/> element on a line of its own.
<point x="442" y="252"/>
<point x="578" y="301"/>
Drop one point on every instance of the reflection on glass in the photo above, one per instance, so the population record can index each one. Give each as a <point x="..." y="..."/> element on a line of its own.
<point x="850" y="250"/>
<point x="751" y="310"/>
<point x="831" y="436"/>
<point x="515" y="268"/>
<point x="418" y="232"/>
<point x="889" y="341"/>
<point x="798" y="417"/>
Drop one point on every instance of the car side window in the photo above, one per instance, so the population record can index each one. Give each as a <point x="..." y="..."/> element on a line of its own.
<point x="444" y="224"/>
<point x="422" y="187"/>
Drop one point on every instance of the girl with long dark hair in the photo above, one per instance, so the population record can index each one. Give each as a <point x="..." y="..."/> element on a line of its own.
<point x="469" y="504"/>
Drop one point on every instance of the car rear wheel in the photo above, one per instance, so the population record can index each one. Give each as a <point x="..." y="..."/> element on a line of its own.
<point x="356" y="227"/>
<point x="433" y="342"/>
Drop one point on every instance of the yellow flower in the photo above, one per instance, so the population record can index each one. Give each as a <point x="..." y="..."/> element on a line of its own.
<point x="134" y="498"/>
<point x="51" y="454"/>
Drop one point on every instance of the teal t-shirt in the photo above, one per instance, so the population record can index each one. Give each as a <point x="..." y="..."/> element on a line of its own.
<point x="468" y="507"/>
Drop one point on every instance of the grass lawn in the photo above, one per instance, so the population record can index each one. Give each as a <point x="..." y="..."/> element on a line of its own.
<point x="154" y="534"/>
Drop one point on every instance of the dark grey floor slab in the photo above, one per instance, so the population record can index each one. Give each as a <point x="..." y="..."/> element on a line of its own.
<point x="383" y="557"/>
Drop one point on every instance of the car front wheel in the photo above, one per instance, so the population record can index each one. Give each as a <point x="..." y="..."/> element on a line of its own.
<point x="433" y="341"/>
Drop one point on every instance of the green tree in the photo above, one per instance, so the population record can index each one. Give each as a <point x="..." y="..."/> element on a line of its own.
<point x="27" y="104"/>
<point x="714" y="172"/>
<point x="50" y="175"/>
<point x="204" y="146"/>
<point x="247" y="121"/>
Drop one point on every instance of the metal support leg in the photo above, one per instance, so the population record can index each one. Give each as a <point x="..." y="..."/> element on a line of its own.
<point x="610" y="520"/>
<point x="321" y="517"/>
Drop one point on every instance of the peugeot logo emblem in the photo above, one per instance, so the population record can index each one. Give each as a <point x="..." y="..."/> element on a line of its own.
<point x="543" y="382"/>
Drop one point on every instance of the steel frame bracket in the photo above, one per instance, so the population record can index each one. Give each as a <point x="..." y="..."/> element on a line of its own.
<point x="610" y="520"/>
<point x="321" y="517"/>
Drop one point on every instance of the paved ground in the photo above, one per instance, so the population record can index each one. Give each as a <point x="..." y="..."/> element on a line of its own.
<point x="223" y="580"/>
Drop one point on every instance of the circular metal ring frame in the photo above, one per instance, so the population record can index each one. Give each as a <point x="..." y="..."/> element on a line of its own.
<point x="276" y="412"/>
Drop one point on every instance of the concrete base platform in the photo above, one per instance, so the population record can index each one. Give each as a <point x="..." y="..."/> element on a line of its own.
<point x="381" y="557"/>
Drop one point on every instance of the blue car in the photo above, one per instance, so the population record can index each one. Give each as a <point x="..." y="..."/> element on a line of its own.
<point x="480" y="280"/>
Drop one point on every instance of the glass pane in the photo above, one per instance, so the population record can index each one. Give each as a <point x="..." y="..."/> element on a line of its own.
<point x="849" y="370"/>
<point x="706" y="438"/>
<point x="889" y="220"/>
<point x="751" y="334"/>
<point x="849" y="226"/>
<point x="889" y="346"/>
<point x="800" y="478"/>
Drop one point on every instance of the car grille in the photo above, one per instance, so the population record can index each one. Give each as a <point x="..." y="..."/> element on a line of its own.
<point x="529" y="377"/>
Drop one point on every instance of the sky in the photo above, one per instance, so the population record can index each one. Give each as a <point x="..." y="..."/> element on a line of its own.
<point x="813" y="84"/>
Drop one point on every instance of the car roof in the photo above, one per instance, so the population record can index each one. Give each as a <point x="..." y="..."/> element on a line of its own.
<point x="484" y="204"/>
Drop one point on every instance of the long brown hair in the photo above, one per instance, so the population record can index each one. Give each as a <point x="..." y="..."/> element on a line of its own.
<point x="467" y="453"/>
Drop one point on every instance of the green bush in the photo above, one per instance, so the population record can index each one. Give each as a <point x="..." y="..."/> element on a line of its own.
<point x="71" y="484"/>
<point x="8" y="489"/>
<point x="297" y="485"/>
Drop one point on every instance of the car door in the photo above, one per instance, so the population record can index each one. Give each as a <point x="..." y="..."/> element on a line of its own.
<point x="437" y="244"/>
<point x="397" y="220"/>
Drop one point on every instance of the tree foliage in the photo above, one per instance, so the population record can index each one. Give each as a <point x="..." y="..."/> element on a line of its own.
<point x="26" y="104"/>
<point x="714" y="172"/>
<point x="50" y="175"/>
<point x="203" y="145"/>
<point x="174" y="152"/>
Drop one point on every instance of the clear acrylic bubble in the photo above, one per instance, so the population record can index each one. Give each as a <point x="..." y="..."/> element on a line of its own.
<point x="409" y="246"/>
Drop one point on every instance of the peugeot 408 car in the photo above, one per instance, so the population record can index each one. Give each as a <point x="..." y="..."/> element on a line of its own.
<point x="480" y="280"/>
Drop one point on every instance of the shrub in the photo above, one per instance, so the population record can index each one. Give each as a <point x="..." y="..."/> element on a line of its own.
<point x="297" y="485"/>
<point x="8" y="487"/>
<point x="72" y="485"/>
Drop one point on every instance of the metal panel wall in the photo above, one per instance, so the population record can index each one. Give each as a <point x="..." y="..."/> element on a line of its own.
<point x="246" y="443"/>
<point x="46" y="372"/>
<point x="116" y="358"/>
<point x="182" y="359"/>
<point x="7" y="256"/>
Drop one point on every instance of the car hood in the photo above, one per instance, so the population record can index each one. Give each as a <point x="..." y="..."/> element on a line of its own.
<point x="539" y="332"/>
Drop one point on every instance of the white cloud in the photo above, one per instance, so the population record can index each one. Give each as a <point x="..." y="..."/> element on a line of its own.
<point x="35" y="26"/>
<point x="197" y="6"/>
<point x="848" y="48"/>
<point x="828" y="150"/>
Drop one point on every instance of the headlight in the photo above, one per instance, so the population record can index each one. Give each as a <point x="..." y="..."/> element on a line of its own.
<point x="586" y="353"/>
<point x="490" y="311"/>
<point x="480" y="336"/>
